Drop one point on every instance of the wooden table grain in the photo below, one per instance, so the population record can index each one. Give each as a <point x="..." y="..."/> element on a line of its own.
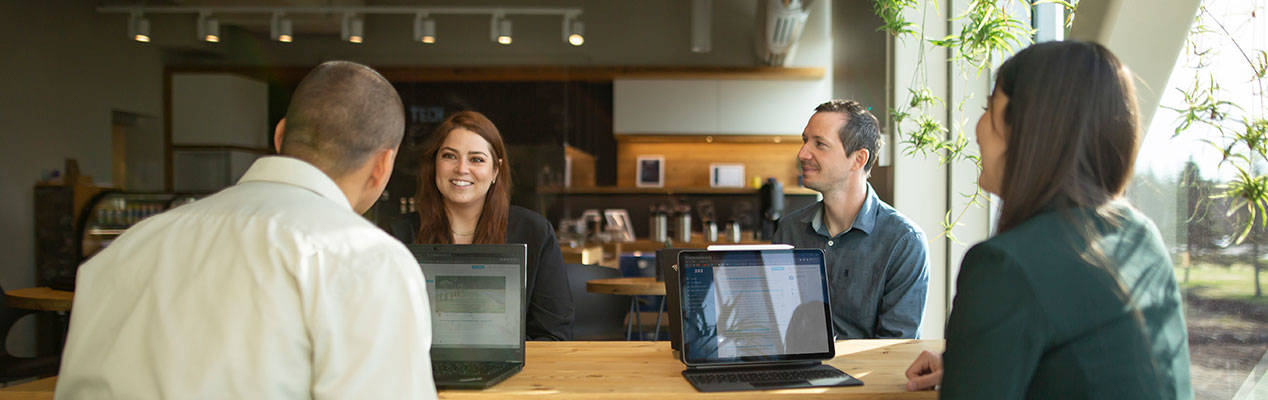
<point x="39" y="299"/>
<point x="647" y="371"/>
<point x="636" y="286"/>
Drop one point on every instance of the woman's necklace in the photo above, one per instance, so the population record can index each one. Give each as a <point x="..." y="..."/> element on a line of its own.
<point x="456" y="233"/>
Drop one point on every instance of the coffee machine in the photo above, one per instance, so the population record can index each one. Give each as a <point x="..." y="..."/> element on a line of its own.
<point x="772" y="207"/>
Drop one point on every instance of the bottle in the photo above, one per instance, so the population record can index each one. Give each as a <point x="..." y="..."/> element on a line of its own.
<point x="683" y="227"/>
<point x="659" y="230"/>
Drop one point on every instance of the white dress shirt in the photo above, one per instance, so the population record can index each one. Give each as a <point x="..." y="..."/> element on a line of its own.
<point x="271" y="289"/>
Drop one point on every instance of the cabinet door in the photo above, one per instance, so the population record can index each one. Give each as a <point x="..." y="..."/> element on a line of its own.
<point x="220" y="109"/>
<point x="203" y="171"/>
<point x="665" y="106"/>
<point x="768" y="107"/>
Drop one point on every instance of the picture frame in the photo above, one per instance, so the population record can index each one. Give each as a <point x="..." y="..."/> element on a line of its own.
<point x="650" y="171"/>
<point x="726" y="175"/>
<point x="618" y="220"/>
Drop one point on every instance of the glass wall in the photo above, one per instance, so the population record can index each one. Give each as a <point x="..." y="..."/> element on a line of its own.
<point x="1190" y="156"/>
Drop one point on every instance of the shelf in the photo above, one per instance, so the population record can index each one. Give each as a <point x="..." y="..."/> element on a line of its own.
<point x="668" y="191"/>
<point x="104" y="232"/>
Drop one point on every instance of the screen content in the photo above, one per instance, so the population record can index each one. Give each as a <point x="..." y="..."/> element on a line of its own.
<point x="474" y="304"/>
<point x="753" y="305"/>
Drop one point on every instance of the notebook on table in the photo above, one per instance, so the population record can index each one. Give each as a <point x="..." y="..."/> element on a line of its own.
<point x="477" y="311"/>
<point x="756" y="319"/>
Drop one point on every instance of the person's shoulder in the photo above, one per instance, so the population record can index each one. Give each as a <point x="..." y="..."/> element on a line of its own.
<point x="800" y="214"/>
<point x="523" y="215"/>
<point x="890" y="219"/>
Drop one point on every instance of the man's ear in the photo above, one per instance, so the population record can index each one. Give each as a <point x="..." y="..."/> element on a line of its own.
<point x="384" y="161"/>
<point x="278" y="133"/>
<point x="858" y="159"/>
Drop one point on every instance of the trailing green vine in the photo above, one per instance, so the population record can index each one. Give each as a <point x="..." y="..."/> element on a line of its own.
<point x="987" y="33"/>
<point x="1241" y="131"/>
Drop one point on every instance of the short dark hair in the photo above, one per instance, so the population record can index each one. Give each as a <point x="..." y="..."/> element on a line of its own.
<point x="340" y="114"/>
<point x="861" y="129"/>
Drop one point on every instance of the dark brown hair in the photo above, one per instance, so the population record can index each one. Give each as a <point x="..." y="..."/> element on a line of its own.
<point x="341" y="114"/>
<point x="1073" y="130"/>
<point x="861" y="129"/>
<point x="434" y="226"/>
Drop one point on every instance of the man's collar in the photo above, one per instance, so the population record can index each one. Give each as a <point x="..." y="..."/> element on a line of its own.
<point x="296" y="172"/>
<point x="864" y="221"/>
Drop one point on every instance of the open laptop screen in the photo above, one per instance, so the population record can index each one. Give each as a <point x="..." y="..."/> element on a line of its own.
<point x="754" y="306"/>
<point x="476" y="296"/>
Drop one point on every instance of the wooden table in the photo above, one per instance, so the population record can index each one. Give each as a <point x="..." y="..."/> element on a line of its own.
<point x="645" y="370"/>
<point x="39" y="299"/>
<point x="635" y="286"/>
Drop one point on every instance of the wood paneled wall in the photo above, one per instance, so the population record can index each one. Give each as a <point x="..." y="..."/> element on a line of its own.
<point x="687" y="157"/>
<point x="583" y="174"/>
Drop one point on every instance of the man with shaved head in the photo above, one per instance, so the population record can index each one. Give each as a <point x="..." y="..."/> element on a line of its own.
<point x="273" y="288"/>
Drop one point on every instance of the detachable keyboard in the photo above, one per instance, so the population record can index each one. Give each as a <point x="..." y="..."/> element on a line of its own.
<point x="768" y="378"/>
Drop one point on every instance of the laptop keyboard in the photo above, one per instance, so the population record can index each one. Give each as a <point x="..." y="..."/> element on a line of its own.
<point x="764" y="376"/>
<point x="466" y="368"/>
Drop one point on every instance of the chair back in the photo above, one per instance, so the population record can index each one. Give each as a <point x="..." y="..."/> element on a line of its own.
<point x="597" y="316"/>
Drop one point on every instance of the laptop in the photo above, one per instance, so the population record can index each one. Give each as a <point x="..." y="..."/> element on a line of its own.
<point x="477" y="311"/>
<point x="756" y="319"/>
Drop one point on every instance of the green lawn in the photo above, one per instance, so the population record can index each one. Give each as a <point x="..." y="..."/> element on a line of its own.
<point x="1234" y="282"/>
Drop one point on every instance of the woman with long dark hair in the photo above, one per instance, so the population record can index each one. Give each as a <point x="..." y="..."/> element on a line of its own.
<point x="464" y="196"/>
<point x="1075" y="295"/>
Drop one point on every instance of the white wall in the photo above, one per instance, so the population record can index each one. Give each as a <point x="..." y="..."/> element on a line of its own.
<point x="704" y="106"/>
<point x="65" y="70"/>
<point x="1146" y="35"/>
<point x="221" y="109"/>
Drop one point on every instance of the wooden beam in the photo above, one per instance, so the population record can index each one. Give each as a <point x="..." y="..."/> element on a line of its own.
<point x="696" y="138"/>
<point x="531" y="73"/>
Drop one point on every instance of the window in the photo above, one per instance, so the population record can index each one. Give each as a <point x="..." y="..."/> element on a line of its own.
<point x="1177" y="178"/>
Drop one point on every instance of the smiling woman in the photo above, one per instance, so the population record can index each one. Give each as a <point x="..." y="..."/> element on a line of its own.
<point x="463" y="197"/>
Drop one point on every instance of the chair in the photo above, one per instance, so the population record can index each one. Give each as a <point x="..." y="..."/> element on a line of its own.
<point x="597" y="316"/>
<point x="14" y="368"/>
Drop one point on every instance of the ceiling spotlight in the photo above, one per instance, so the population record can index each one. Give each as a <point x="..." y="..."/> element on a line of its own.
<point x="500" y="29"/>
<point x="353" y="28"/>
<point x="575" y="32"/>
<point x="208" y="28"/>
<point x="424" y="29"/>
<point x="138" y="28"/>
<point x="280" y="28"/>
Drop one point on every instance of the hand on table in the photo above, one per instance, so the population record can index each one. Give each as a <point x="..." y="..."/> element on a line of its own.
<point x="925" y="372"/>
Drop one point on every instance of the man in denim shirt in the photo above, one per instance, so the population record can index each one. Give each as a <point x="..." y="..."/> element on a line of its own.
<point x="878" y="268"/>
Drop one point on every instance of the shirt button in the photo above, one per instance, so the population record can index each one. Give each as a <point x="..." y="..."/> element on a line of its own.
<point x="830" y="243"/>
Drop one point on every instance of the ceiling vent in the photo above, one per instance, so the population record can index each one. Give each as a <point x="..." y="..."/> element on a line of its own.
<point x="779" y="25"/>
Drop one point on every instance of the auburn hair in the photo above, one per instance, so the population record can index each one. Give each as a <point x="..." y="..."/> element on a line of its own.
<point x="434" y="221"/>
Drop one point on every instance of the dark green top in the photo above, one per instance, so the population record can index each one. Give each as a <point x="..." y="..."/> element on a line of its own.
<point x="1031" y="318"/>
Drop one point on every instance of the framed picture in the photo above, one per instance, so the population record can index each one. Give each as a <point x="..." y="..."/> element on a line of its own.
<point x="619" y="220"/>
<point x="726" y="175"/>
<point x="650" y="171"/>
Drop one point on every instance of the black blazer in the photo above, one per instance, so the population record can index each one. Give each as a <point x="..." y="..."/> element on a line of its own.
<point x="550" y="309"/>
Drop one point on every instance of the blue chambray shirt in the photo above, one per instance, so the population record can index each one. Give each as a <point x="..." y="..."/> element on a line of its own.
<point x="878" y="270"/>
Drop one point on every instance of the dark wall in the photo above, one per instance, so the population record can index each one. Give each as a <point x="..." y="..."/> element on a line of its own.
<point x="535" y="119"/>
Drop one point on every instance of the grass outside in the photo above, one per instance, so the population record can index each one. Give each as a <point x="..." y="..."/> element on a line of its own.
<point x="1233" y="282"/>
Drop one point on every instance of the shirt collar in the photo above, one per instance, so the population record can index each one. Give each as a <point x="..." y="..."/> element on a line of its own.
<point x="864" y="221"/>
<point x="295" y="172"/>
